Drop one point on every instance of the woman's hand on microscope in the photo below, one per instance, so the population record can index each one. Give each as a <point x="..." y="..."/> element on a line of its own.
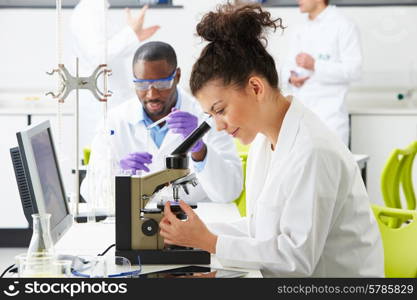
<point x="188" y="233"/>
<point x="136" y="161"/>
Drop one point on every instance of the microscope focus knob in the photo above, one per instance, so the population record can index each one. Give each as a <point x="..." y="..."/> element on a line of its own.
<point x="150" y="227"/>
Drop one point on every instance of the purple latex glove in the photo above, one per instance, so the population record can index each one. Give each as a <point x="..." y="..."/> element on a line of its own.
<point x="136" y="161"/>
<point x="184" y="123"/>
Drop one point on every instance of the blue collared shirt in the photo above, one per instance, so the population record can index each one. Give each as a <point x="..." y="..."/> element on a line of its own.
<point x="158" y="133"/>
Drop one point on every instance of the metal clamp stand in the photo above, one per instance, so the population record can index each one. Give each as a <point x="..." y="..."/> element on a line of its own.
<point x="68" y="83"/>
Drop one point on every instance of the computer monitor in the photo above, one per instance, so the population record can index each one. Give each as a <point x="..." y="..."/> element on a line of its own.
<point x="39" y="179"/>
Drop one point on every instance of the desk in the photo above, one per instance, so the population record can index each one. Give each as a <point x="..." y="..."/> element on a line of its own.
<point x="94" y="238"/>
<point x="362" y="161"/>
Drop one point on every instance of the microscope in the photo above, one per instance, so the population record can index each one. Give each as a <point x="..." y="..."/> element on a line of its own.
<point x="137" y="227"/>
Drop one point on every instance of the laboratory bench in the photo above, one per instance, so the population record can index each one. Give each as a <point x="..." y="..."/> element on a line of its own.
<point x="93" y="238"/>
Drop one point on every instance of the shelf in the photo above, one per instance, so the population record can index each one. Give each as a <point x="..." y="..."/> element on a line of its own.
<point x="70" y="4"/>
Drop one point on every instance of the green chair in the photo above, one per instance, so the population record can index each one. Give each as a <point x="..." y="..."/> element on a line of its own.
<point x="87" y="153"/>
<point x="398" y="172"/>
<point x="400" y="243"/>
<point x="243" y="153"/>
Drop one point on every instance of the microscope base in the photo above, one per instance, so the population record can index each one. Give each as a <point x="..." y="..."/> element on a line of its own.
<point x="162" y="257"/>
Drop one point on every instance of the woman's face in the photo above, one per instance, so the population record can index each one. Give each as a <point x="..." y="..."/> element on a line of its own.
<point x="234" y="109"/>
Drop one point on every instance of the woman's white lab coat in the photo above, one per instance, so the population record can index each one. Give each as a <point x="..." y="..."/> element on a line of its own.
<point x="333" y="41"/>
<point x="308" y="212"/>
<point x="220" y="180"/>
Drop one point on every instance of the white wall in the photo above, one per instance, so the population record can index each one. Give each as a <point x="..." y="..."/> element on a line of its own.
<point x="28" y="47"/>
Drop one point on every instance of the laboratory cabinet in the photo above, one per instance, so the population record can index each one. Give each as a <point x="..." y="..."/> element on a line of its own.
<point x="377" y="134"/>
<point x="12" y="220"/>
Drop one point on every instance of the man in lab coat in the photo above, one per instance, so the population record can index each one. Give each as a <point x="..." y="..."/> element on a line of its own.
<point x="213" y="159"/>
<point x="325" y="57"/>
<point x="90" y="37"/>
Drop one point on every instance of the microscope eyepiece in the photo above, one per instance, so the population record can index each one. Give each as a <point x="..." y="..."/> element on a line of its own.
<point x="189" y="142"/>
<point x="178" y="158"/>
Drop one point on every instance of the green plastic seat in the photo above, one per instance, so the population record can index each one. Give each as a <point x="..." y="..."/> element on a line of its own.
<point x="396" y="175"/>
<point x="400" y="243"/>
<point x="243" y="153"/>
<point x="87" y="153"/>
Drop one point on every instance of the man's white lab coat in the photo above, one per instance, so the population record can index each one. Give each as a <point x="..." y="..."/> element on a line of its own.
<point x="333" y="41"/>
<point x="308" y="212"/>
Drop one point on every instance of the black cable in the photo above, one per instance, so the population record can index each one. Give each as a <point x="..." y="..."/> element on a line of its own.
<point x="105" y="251"/>
<point x="7" y="270"/>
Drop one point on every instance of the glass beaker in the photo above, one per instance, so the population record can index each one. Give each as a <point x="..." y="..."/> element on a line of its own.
<point x="41" y="241"/>
<point x="33" y="266"/>
<point x="62" y="268"/>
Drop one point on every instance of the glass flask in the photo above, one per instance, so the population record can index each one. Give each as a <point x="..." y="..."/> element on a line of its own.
<point x="101" y="172"/>
<point x="41" y="241"/>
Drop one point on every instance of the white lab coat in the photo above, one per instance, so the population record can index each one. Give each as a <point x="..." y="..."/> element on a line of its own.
<point x="334" y="43"/>
<point x="308" y="212"/>
<point x="221" y="179"/>
<point x="88" y="33"/>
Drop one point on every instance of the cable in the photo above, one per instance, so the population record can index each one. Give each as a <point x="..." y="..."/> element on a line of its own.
<point x="7" y="270"/>
<point x="105" y="251"/>
<point x="59" y="56"/>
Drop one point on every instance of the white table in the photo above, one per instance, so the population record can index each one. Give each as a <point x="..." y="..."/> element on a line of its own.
<point x="94" y="238"/>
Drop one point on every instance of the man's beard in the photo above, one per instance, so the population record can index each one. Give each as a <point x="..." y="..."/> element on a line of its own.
<point x="155" y="113"/>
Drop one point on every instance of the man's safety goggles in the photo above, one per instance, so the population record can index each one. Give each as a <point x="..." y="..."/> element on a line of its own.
<point x="159" y="84"/>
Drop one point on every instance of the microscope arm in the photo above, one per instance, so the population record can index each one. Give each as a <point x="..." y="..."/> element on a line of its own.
<point x="152" y="183"/>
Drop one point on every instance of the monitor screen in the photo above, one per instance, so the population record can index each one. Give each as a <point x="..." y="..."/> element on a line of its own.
<point x="42" y="178"/>
<point x="53" y="195"/>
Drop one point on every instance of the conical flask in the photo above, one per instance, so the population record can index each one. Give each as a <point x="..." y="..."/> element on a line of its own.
<point x="41" y="241"/>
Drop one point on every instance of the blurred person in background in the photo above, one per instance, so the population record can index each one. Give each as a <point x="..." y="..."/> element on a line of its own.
<point x="325" y="57"/>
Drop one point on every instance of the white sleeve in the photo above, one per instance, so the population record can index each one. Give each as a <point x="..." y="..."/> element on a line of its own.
<point x="222" y="176"/>
<point x="235" y="228"/>
<point x="303" y="227"/>
<point x="87" y="29"/>
<point x="349" y="67"/>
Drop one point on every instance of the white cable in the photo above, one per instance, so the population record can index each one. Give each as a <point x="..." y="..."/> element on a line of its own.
<point x="105" y="53"/>
<point x="59" y="121"/>
<point x="59" y="51"/>
<point x="59" y="30"/>
<point x="77" y="143"/>
<point x="105" y="3"/>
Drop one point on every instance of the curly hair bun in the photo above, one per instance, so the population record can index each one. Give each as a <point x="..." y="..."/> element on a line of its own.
<point x="236" y="48"/>
<point x="236" y="23"/>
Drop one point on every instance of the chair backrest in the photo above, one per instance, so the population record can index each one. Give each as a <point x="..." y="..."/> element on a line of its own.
<point x="400" y="244"/>
<point x="398" y="172"/>
<point x="407" y="176"/>
<point x="243" y="151"/>
<point x="86" y="152"/>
